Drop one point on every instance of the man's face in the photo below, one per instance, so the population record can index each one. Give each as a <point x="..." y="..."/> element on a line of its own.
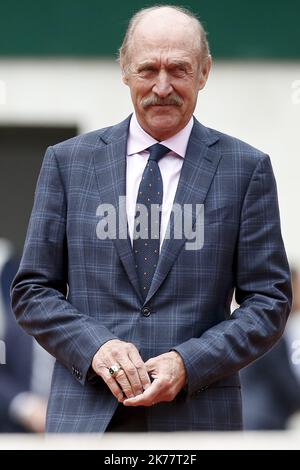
<point x="164" y="77"/>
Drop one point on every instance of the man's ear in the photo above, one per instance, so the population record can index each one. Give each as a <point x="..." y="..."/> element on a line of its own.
<point x="124" y="71"/>
<point x="205" y="68"/>
<point x="124" y="77"/>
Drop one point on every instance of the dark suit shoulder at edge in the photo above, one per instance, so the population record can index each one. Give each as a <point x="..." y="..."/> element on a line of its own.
<point x="229" y="143"/>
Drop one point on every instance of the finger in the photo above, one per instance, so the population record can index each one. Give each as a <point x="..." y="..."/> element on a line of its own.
<point x="131" y="375"/>
<point x="120" y="377"/>
<point x="148" y="398"/>
<point x="124" y="383"/>
<point x="112" y="384"/>
<point x="118" y="354"/>
<point x="151" y="363"/>
<point x="141" y="368"/>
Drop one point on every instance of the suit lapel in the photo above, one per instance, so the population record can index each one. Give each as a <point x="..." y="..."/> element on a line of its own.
<point x="110" y="168"/>
<point x="197" y="173"/>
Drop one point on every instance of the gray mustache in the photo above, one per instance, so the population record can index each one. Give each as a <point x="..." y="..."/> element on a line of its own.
<point x="157" y="101"/>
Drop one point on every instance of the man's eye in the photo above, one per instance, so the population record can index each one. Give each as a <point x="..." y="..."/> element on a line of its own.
<point x="179" y="70"/>
<point x="147" y="70"/>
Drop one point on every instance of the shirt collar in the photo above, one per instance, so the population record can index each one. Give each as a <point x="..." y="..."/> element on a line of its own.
<point x="139" y="140"/>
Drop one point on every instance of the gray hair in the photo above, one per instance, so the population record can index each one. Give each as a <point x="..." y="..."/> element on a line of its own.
<point x="124" y="49"/>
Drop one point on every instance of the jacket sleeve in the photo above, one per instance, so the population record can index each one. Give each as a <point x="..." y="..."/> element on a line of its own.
<point x="263" y="291"/>
<point x="39" y="290"/>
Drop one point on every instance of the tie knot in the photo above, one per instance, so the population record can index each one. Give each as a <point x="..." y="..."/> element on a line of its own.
<point x="157" y="151"/>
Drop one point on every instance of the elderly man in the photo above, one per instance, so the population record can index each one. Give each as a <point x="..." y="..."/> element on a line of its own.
<point x="140" y="322"/>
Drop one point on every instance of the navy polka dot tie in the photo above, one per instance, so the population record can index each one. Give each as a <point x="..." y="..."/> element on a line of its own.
<point x="146" y="239"/>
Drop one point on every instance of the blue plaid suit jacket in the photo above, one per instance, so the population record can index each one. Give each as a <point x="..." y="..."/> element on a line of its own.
<point x="74" y="291"/>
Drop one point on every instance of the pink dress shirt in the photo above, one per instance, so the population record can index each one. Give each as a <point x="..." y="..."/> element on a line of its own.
<point x="170" y="166"/>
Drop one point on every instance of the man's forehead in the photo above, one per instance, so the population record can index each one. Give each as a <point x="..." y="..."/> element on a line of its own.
<point x="169" y="29"/>
<point x="147" y="52"/>
<point x="164" y="38"/>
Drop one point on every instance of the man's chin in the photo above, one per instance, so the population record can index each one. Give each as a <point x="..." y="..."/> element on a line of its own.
<point x="160" y="120"/>
<point x="162" y="125"/>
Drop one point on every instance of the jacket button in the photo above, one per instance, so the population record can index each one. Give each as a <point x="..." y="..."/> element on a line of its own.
<point x="146" y="311"/>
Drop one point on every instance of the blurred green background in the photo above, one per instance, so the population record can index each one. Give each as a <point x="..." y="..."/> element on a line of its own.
<point x="257" y="29"/>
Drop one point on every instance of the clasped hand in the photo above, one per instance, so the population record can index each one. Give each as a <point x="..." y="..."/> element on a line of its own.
<point x="131" y="385"/>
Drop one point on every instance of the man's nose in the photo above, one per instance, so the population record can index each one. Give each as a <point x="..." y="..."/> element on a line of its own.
<point x="162" y="85"/>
